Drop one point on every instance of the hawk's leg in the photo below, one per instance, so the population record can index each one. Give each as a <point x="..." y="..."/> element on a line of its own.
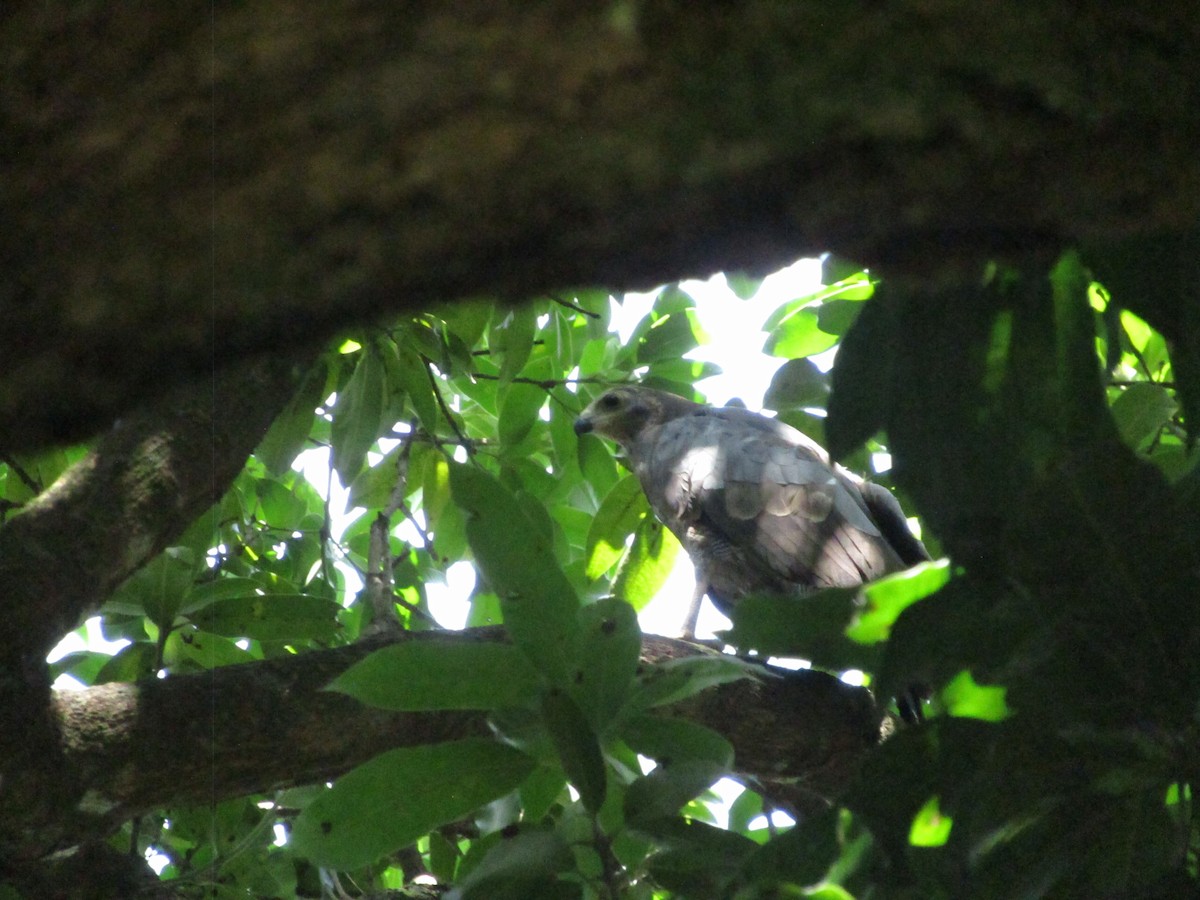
<point x="693" y="612"/>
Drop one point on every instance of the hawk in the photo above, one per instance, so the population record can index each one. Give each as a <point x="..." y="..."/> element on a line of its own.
<point x="757" y="504"/>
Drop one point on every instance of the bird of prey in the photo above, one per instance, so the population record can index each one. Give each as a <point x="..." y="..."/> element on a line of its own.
<point x="757" y="504"/>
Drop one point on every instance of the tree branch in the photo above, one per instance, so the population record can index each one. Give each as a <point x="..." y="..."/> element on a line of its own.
<point x="360" y="159"/>
<point x="261" y="726"/>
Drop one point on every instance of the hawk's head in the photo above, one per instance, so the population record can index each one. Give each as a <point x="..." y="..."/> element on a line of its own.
<point x="621" y="413"/>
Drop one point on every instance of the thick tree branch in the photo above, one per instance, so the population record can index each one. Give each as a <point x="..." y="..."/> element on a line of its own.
<point x="259" y="726"/>
<point x="149" y="479"/>
<point x="245" y="171"/>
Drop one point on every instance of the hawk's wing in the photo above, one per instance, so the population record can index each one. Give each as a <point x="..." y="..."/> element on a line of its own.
<point x="760" y="507"/>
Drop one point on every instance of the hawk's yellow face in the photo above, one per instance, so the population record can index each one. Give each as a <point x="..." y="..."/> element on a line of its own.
<point x="619" y="414"/>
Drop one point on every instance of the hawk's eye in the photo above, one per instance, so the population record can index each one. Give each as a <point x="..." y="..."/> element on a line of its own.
<point x="610" y="401"/>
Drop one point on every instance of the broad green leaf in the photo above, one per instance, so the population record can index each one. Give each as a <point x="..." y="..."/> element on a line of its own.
<point x="517" y="560"/>
<point x="270" y="617"/>
<point x="187" y="649"/>
<point x="670" y="337"/>
<point x="393" y="799"/>
<point x="862" y="378"/>
<point x="438" y="674"/>
<point x="797" y="383"/>
<point x="836" y="316"/>
<point x="670" y="740"/>
<point x="577" y="745"/>
<point x="800" y="856"/>
<point x="812" y="627"/>
<point x="606" y="659"/>
<point x="647" y="564"/>
<point x="373" y="487"/>
<point x="511" y="339"/>
<point x="357" y="415"/>
<point x="540" y="791"/>
<point x="890" y="596"/>
<point x="799" y="335"/>
<point x="615" y="520"/>
<point x="697" y="859"/>
<point x="963" y="697"/>
<point x="281" y="508"/>
<point x="209" y="592"/>
<point x="519" y="408"/>
<point x="442" y="516"/>
<point x="412" y="374"/>
<point x="519" y="867"/>
<point x="743" y="285"/>
<point x="289" y="432"/>
<point x="660" y="795"/>
<point x="131" y="663"/>
<point x="158" y="589"/>
<point x="1141" y="410"/>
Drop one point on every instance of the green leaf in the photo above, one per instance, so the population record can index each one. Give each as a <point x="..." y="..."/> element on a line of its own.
<point x="288" y="433"/>
<point x="964" y="698"/>
<point x="358" y="415"/>
<point x="799" y="335"/>
<point x="670" y="740"/>
<point x="281" y="508"/>
<point x="606" y="659"/>
<point x="437" y="674"/>
<point x="270" y="617"/>
<point x="517" y="560"/>
<point x="511" y="340"/>
<point x="743" y="285"/>
<point x="647" y="564"/>
<point x="660" y="795"/>
<point x="620" y="511"/>
<point x="393" y="799"/>
<point x="187" y="649"/>
<point x="158" y="589"/>
<point x="812" y="627"/>
<point x="670" y="337"/>
<point x="890" y="596"/>
<point x="519" y="408"/>
<point x="519" y="867"/>
<point x="412" y="374"/>
<point x="1140" y="411"/>
<point x="697" y="860"/>
<point x="862" y="379"/>
<point x="836" y="316"/>
<point x="577" y="746"/>
<point x="678" y="679"/>
<point x="797" y="383"/>
<point x="800" y="856"/>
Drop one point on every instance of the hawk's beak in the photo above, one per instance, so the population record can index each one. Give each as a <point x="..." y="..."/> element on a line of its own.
<point x="583" y="425"/>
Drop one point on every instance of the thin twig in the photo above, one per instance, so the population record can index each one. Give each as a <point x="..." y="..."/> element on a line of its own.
<point x="579" y="309"/>
<point x="15" y="468"/>
<point x="441" y="402"/>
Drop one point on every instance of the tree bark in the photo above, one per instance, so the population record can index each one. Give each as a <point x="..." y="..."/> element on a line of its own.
<point x="188" y="182"/>
<point x="257" y="727"/>
<point x="146" y="482"/>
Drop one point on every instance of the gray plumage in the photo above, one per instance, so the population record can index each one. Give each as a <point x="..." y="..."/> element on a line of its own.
<point x="756" y="503"/>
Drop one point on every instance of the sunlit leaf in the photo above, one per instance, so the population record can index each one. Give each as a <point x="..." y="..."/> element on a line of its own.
<point x="963" y="697"/>
<point x="620" y="512"/>
<point x="647" y="564"/>
<point x="357" y="417"/>
<point x="517" y="560"/>
<point x="889" y="597"/>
